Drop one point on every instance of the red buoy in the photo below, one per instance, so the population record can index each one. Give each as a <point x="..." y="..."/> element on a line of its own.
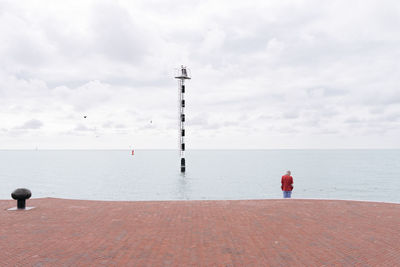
<point x="133" y="152"/>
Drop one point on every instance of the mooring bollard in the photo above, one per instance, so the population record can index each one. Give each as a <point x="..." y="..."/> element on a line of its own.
<point x="21" y="195"/>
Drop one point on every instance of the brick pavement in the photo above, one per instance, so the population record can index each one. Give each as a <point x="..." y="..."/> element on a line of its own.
<point x="60" y="232"/>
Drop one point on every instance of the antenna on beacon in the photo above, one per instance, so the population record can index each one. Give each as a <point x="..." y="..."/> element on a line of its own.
<point x="182" y="75"/>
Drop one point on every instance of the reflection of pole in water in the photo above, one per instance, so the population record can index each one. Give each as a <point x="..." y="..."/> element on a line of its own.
<point x="183" y="187"/>
<point x="182" y="76"/>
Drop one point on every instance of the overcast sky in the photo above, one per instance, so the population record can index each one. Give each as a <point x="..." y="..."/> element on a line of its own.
<point x="265" y="74"/>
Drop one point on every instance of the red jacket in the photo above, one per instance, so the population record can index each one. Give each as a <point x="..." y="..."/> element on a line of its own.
<point x="287" y="183"/>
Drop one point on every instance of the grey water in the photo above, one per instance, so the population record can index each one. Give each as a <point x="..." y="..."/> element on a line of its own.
<point x="372" y="175"/>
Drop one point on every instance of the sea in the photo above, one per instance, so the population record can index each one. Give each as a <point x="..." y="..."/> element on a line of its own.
<point x="368" y="175"/>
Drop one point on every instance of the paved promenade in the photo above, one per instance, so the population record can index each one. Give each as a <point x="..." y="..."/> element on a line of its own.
<point x="60" y="232"/>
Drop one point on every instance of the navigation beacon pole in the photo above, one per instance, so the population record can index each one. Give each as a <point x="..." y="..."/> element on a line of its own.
<point x="182" y="76"/>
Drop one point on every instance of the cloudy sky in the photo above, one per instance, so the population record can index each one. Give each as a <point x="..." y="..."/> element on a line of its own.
<point x="265" y="74"/>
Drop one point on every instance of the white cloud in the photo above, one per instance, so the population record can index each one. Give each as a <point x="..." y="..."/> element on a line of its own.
<point x="31" y="124"/>
<point x="266" y="74"/>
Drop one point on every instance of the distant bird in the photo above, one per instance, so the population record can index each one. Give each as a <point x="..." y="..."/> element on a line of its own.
<point x="151" y="121"/>
<point x="84" y="117"/>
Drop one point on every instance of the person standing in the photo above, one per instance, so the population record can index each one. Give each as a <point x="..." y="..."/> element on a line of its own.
<point x="287" y="185"/>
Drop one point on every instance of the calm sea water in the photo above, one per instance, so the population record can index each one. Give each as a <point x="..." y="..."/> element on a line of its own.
<point x="211" y="174"/>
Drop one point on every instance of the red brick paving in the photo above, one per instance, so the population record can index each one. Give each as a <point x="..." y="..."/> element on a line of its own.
<point x="60" y="232"/>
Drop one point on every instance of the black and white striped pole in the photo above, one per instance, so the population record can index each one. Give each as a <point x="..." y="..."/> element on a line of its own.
<point x="182" y="76"/>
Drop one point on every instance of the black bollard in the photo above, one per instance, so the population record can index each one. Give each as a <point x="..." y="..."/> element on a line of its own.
<point x="21" y="195"/>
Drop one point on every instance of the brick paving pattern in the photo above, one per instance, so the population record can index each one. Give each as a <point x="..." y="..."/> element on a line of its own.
<point x="60" y="232"/>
